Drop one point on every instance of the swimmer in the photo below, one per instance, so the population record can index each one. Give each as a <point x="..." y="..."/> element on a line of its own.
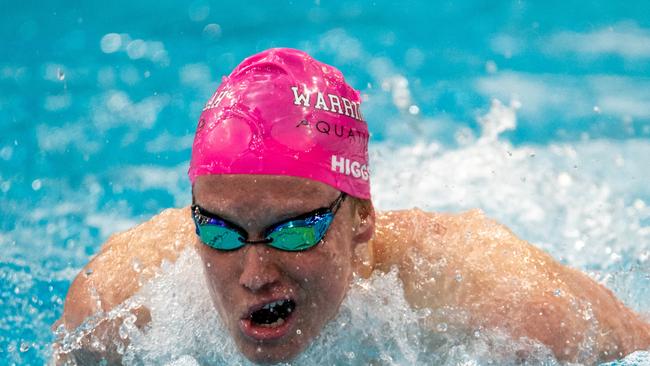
<point x="282" y="220"/>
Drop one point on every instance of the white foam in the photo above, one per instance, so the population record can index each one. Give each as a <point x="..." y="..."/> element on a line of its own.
<point x="375" y="325"/>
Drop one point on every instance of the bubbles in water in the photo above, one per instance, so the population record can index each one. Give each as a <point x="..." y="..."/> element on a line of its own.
<point x="60" y="74"/>
<point x="117" y="101"/>
<point x="36" y="184"/>
<point x="298" y="331"/>
<point x="212" y="31"/>
<point x="6" y="153"/>
<point x="5" y="186"/>
<point x="491" y="67"/>
<point x="110" y="42"/>
<point x="136" y="49"/>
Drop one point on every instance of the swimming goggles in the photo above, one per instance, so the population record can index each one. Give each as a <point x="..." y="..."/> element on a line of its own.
<point x="293" y="234"/>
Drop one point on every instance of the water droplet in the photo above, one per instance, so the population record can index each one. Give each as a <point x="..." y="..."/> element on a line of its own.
<point x="491" y="67"/>
<point x="24" y="347"/>
<point x="136" y="49"/>
<point x="557" y="292"/>
<point x="564" y="179"/>
<point x="596" y="109"/>
<point x="258" y="349"/>
<point x="477" y="334"/>
<point x="36" y="184"/>
<point x="60" y="74"/>
<point x="110" y="43"/>
<point x="458" y="277"/>
<point x="88" y="272"/>
<point x="441" y="327"/>
<point x="6" y="152"/>
<point x="137" y="266"/>
<point x="298" y="331"/>
<point x="212" y="31"/>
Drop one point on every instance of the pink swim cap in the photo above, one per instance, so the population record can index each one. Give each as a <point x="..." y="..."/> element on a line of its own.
<point x="281" y="112"/>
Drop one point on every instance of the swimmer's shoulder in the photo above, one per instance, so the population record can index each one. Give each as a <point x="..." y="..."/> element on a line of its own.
<point x="484" y="254"/>
<point x="125" y="261"/>
<point x="402" y="231"/>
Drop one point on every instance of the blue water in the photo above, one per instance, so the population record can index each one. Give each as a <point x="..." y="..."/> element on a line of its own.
<point x="98" y="102"/>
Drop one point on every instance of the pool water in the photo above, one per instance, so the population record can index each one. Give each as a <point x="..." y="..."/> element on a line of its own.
<point x="534" y="112"/>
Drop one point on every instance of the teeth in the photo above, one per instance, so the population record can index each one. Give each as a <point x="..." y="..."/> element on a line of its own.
<point x="277" y="323"/>
<point x="273" y="304"/>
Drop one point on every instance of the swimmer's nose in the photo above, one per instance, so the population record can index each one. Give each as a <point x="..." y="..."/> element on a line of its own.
<point x="259" y="272"/>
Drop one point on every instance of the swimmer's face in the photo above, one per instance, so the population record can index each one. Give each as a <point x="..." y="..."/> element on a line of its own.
<point x="273" y="302"/>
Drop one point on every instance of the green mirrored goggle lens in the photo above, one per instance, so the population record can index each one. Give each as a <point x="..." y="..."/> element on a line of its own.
<point x="219" y="237"/>
<point x="300" y="234"/>
<point x="297" y="234"/>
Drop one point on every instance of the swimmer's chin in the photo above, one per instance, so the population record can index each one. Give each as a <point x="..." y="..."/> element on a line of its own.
<point x="271" y="353"/>
<point x="265" y="358"/>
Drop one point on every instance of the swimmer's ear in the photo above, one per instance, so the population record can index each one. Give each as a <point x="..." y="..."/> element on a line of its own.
<point x="364" y="221"/>
<point x="364" y="228"/>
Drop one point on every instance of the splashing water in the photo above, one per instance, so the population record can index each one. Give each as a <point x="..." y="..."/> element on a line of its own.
<point x="186" y="330"/>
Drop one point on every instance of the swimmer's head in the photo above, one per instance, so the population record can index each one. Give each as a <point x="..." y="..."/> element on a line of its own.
<point x="281" y="112"/>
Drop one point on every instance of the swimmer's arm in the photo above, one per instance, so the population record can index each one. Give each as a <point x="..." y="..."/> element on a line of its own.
<point x="473" y="264"/>
<point x="125" y="262"/>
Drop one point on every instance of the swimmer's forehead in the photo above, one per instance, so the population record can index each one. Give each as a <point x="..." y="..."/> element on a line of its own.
<point x="276" y="195"/>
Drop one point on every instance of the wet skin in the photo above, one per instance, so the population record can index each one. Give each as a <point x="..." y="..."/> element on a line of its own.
<point x="507" y="284"/>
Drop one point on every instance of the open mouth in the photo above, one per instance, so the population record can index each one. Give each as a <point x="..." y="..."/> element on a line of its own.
<point x="273" y="314"/>
<point x="270" y="321"/>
